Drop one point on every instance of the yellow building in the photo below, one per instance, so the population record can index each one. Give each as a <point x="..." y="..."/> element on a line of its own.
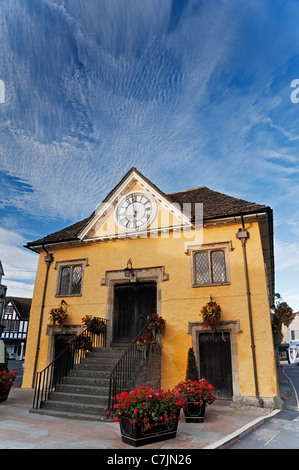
<point x="183" y="249"/>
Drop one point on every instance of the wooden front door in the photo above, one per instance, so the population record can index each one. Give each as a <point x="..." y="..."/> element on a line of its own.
<point x="133" y="304"/>
<point x="215" y="362"/>
<point x="62" y="360"/>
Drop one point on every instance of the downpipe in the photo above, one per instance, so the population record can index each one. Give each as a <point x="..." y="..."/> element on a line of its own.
<point x="243" y="235"/>
<point x="48" y="260"/>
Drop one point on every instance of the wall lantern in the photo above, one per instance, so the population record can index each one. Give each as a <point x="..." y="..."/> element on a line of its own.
<point x="129" y="269"/>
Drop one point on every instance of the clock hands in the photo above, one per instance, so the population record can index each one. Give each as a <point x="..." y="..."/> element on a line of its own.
<point x="135" y="211"/>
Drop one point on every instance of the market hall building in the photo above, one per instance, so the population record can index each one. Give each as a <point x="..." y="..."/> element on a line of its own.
<point x="181" y="250"/>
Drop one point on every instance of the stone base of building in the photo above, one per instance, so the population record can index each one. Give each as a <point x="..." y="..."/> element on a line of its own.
<point x="268" y="403"/>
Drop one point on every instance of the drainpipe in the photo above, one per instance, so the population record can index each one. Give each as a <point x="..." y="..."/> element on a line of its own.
<point x="243" y="235"/>
<point x="48" y="260"/>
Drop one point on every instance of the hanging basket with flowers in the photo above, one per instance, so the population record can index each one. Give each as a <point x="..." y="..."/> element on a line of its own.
<point x="211" y="314"/>
<point x="156" y="326"/>
<point x="59" y="315"/>
<point x="145" y="343"/>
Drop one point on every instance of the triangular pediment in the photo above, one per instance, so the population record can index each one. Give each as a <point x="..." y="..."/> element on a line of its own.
<point x="134" y="208"/>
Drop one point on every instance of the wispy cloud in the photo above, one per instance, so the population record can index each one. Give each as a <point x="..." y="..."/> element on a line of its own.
<point x="18" y="263"/>
<point x="190" y="92"/>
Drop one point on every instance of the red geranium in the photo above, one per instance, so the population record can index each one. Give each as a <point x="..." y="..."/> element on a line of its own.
<point x="7" y="377"/>
<point x="144" y="404"/>
<point x="197" y="391"/>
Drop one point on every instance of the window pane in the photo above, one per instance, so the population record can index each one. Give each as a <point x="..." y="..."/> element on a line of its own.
<point x="76" y="280"/>
<point x="218" y="266"/>
<point x="64" y="281"/>
<point x="202" y="272"/>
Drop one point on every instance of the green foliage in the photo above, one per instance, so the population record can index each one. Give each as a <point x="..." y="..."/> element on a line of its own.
<point x="283" y="315"/>
<point x="191" y="372"/>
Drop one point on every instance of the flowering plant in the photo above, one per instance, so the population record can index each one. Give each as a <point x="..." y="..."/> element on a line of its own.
<point x="7" y="377"/>
<point x="145" y="405"/>
<point x="211" y="314"/>
<point x="197" y="391"/>
<point x="87" y="320"/>
<point x="58" y="315"/>
<point x="81" y="342"/>
<point x="145" y="342"/>
<point x="156" y="325"/>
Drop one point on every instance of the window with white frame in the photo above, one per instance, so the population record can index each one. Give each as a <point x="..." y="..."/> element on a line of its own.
<point x="70" y="277"/>
<point x="210" y="264"/>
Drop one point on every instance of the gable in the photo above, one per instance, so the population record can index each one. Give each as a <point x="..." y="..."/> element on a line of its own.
<point x="21" y="306"/>
<point x="114" y="217"/>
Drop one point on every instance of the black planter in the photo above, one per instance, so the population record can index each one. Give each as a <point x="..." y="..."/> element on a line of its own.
<point x="138" y="435"/>
<point x="194" y="413"/>
<point x="4" y="395"/>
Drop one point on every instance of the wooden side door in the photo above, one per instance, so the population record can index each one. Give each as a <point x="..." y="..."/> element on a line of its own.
<point x="133" y="304"/>
<point x="215" y="362"/>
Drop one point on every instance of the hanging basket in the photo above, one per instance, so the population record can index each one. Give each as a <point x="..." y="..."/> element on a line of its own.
<point x="211" y="314"/>
<point x="58" y="315"/>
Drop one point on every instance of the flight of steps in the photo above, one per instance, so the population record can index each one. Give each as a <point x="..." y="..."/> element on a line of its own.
<point x="83" y="394"/>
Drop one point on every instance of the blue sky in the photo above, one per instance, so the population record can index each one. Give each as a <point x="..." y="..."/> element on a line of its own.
<point x="190" y="92"/>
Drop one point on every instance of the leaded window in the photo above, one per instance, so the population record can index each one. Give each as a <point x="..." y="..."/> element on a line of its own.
<point x="210" y="267"/>
<point x="70" y="282"/>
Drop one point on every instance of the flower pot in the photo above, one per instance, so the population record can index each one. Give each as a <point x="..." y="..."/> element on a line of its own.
<point x="4" y="395"/>
<point x="194" y="413"/>
<point x="137" y="434"/>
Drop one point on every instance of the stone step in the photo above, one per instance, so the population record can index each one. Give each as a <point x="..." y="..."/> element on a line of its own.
<point x="79" y="398"/>
<point x="106" y="352"/>
<point x="105" y="361"/>
<point x="83" y="393"/>
<point x="82" y="389"/>
<point x="68" y="414"/>
<point x="86" y="372"/>
<point x="100" y="383"/>
<point x="96" y="367"/>
<point x="73" y="407"/>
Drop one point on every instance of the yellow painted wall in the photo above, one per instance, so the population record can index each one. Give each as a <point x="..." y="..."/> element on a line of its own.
<point x="180" y="303"/>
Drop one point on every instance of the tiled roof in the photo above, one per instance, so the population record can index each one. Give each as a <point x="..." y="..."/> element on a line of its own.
<point x="66" y="234"/>
<point x="215" y="205"/>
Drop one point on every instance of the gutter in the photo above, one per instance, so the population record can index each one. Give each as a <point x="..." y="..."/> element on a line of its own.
<point x="243" y="235"/>
<point x="48" y="260"/>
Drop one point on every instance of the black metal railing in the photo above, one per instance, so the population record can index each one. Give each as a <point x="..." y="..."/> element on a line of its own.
<point x="94" y="336"/>
<point x="124" y="372"/>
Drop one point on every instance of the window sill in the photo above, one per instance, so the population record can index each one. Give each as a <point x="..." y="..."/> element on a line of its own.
<point x="68" y="295"/>
<point x="212" y="284"/>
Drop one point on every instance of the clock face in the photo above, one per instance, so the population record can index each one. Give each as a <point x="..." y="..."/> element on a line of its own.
<point x="135" y="211"/>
